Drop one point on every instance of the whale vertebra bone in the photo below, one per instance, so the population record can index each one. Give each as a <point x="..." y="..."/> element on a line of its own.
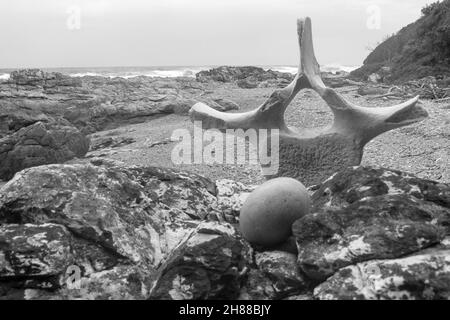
<point x="312" y="155"/>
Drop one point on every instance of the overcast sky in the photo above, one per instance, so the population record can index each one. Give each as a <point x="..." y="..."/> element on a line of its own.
<point x="48" y="33"/>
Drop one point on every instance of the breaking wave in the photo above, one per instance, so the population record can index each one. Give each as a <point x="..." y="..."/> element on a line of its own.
<point x="167" y="72"/>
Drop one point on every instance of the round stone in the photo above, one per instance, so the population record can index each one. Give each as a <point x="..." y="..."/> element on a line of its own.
<point x="268" y="213"/>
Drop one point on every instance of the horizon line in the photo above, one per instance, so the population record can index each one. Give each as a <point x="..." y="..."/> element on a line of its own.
<point x="170" y="66"/>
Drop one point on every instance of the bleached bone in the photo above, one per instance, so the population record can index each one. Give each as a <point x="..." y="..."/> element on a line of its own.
<point x="312" y="155"/>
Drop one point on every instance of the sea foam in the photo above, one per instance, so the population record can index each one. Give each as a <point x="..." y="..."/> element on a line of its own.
<point x="167" y="72"/>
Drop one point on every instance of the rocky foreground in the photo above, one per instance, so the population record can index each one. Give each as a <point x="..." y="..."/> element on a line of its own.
<point x="77" y="223"/>
<point x="152" y="233"/>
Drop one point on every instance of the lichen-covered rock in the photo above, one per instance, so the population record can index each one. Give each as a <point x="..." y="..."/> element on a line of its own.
<point x="257" y="286"/>
<point x="356" y="183"/>
<point x="35" y="260"/>
<point x="99" y="229"/>
<point x="121" y="282"/>
<point x="276" y="276"/>
<point x="118" y="224"/>
<point x="35" y="251"/>
<point x="231" y="195"/>
<point x="421" y="276"/>
<point x="209" y="264"/>
<point x="118" y="207"/>
<point x="362" y="214"/>
<point x="281" y="267"/>
<point x="38" y="144"/>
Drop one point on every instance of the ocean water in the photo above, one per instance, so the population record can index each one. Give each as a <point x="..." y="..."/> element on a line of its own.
<point x="178" y="71"/>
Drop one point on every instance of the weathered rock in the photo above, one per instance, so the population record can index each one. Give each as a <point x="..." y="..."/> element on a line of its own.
<point x="35" y="260"/>
<point x="281" y="267"/>
<point x="271" y="83"/>
<point x="362" y="214"/>
<point x="34" y="250"/>
<point x="231" y="195"/>
<point x="10" y="123"/>
<point x="105" y="190"/>
<point x="103" y="142"/>
<point x="209" y="264"/>
<point x="245" y="77"/>
<point x="120" y="225"/>
<point x="355" y="183"/>
<point x="276" y="277"/>
<point x="38" y="144"/>
<point x="424" y="276"/>
<point x="371" y="90"/>
<point x="257" y="286"/>
<point x="139" y="232"/>
<point x="36" y="77"/>
<point x="121" y="282"/>
<point x="224" y="104"/>
<point x="337" y="81"/>
<point x="94" y="103"/>
<point x="248" y="83"/>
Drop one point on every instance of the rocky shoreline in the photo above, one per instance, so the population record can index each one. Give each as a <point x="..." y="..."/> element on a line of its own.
<point x="96" y="103"/>
<point x="42" y="102"/>
<point x="90" y="189"/>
